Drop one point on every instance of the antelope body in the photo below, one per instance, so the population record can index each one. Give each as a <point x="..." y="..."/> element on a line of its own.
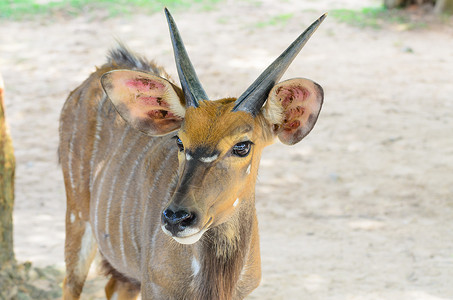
<point x="161" y="180"/>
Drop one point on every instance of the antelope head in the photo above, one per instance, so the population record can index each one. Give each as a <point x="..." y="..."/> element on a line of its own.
<point x="220" y="142"/>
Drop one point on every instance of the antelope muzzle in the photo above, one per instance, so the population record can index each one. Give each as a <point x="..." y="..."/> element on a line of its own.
<point x="182" y="224"/>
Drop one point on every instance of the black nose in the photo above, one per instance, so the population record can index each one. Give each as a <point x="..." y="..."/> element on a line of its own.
<point x="177" y="220"/>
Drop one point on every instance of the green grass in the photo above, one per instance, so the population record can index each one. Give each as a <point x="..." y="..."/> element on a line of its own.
<point x="366" y="17"/>
<point x="375" y="17"/>
<point x="276" y="20"/>
<point x="22" y="9"/>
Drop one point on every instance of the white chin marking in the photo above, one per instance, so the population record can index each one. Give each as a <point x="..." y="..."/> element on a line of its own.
<point x="190" y="239"/>
<point x="192" y="235"/>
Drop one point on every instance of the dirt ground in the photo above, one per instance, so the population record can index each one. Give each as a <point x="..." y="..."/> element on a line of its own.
<point x="360" y="209"/>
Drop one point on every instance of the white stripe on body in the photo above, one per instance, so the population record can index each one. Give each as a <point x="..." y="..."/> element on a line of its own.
<point x="164" y="200"/>
<point x="71" y="149"/>
<point x="101" y="185"/>
<point x="123" y="202"/>
<point x="82" y="149"/>
<point x="135" y="226"/>
<point x="97" y="138"/>
<point x="156" y="179"/>
<point x="112" y="188"/>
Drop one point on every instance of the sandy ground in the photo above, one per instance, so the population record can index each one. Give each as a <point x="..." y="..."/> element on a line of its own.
<point x="360" y="209"/>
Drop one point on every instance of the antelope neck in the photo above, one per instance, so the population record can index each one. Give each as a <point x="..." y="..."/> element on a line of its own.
<point x="223" y="253"/>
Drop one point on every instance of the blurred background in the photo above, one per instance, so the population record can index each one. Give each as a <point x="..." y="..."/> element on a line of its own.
<point x="362" y="208"/>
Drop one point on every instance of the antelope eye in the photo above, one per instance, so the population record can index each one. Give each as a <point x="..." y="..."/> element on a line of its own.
<point x="179" y="143"/>
<point x="242" y="149"/>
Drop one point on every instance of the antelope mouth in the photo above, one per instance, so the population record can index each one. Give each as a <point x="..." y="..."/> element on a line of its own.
<point x="189" y="236"/>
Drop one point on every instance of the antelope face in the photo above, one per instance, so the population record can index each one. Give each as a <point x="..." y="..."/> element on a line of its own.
<point x="220" y="142"/>
<point x="218" y="149"/>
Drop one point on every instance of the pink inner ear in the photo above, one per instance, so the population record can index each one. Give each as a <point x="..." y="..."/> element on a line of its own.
<point x="162" y="114"/>
<point x="153" y="101"/>
<point x="149" y="101"/>
<point x="144" y="84"/>
<point x="293" y="102"/>
<point x="148" y="93"/>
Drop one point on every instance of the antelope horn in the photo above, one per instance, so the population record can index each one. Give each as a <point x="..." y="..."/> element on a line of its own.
<point x="191" y="86"/>
<point x="254" y="97"/>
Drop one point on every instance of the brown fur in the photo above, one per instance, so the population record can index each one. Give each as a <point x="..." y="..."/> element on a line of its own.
<point x="221" y="272"/>
<point x="119" y="283"/>
<point x="108" y="270"/>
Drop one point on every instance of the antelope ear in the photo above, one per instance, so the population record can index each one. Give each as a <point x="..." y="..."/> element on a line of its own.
<point x="147" y="102"/>
<point x="292" y="108"/>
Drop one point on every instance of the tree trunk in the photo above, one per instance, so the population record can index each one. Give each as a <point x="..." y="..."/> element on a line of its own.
<point x="444" y="6"/>
<point x="7" y="165"/>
